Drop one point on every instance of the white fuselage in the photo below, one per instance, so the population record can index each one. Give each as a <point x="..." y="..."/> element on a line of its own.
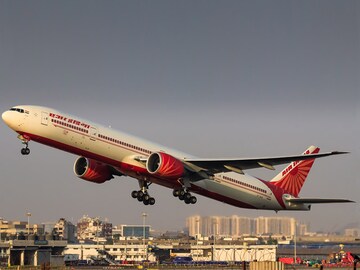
<point x="120" y="150"/>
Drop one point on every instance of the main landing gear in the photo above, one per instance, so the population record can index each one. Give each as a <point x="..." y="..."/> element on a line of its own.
<point x="25" y="150"/>
<point x="142" y="195"/>
<point x="185" y="196"/>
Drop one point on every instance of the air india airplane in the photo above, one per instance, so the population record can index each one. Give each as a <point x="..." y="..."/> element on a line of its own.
<point x="105" y="153"/>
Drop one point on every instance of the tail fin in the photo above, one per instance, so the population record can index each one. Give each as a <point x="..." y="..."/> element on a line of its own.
<point x="293" y="177"/>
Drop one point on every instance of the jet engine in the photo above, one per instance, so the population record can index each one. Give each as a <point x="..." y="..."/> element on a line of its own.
<point x="92" y="170"/>
<point x="163" y="165"/>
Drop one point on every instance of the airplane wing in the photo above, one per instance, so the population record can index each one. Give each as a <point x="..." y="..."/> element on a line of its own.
<point x="238" y="165"/>
<point x="316" y="200"/>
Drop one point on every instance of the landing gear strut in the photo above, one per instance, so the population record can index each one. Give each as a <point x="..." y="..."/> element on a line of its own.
<point x="142" y="195"/>
<point x="185" y="196"/>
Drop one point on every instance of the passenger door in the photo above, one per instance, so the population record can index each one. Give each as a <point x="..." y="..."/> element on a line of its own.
<point x="44" y="118"/>
<point x="93" y="133"/>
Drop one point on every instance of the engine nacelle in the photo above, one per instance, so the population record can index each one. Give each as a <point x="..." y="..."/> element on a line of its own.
<point x="164" y="165"/>
<point x="92" y="170"/>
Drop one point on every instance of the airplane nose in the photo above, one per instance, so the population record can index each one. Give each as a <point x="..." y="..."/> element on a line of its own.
<point x="5" y="116"/>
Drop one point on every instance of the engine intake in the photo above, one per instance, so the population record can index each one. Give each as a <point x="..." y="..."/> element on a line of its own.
<point x="92" y="170"/>
<point x="164" y="165"/>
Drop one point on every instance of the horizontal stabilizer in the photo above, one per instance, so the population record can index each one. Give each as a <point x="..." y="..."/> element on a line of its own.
<point x="316" y="200"/>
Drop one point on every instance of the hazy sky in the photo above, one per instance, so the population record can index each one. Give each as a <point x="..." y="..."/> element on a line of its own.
<point x="211" y="78"/>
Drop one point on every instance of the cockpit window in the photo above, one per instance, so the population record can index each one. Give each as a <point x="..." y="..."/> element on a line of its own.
<point x="17" y="110"/>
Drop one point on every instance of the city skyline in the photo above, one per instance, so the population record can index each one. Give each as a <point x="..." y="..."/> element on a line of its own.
<point x="225" y="226"/>
<point x="229" y="79"/>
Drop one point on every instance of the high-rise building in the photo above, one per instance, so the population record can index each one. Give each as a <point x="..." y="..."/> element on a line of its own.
<point x="194" y="225"/>
<point x="275" y="225"/>
<point x="65" y="230"/>
<point x="352" y="232"/>
<point x="237" y="226"/>
<point x="242" y="226"/>
<point x="220" y="226"/>
<point x="302" y="229"/>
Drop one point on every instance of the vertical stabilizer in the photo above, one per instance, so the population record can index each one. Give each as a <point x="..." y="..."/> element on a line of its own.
<point x="293" y="177"/>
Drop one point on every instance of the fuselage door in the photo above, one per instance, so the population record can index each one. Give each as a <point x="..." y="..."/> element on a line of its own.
<point x="93" y="133"/>
<point x="44" y="118"/>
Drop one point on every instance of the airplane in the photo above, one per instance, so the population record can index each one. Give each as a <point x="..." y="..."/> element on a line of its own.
<point x="105" y="153"/>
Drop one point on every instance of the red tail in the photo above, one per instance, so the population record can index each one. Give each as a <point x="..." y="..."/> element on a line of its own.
<point x="293" y="177"/>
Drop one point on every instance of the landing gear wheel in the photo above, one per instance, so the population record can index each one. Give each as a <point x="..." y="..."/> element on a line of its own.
<point x="140" y="196"/>
<point x="25" y="151"/>
<point x="151" y="201"/>
<point x="193" y="200"/>
<point x="134" y="194"/>
<point x="148" y="200"/>
<point x="176" y="193"/>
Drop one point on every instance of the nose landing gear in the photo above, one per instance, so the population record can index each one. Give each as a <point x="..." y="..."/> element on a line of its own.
<point x="25" y="150"/>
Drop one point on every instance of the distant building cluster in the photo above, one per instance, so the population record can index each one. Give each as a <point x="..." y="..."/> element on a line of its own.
<point x="87" y="230"/>
<point x="353" y="232"/>
<point x="238" y="226"/>
<point x="8" y="228"/>
<point x="60" y="230"/>
<point x="95" y="230"/>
